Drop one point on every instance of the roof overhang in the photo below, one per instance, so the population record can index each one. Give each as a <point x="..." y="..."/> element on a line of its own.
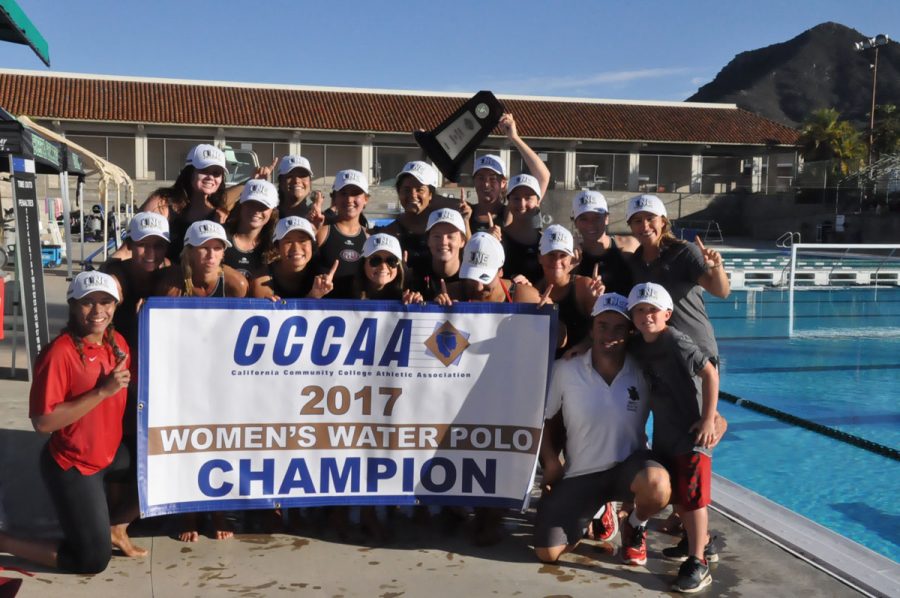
<point x="16" y="27"/>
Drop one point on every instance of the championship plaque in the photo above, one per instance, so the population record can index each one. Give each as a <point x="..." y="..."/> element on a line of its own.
<point x="455" y="139"/>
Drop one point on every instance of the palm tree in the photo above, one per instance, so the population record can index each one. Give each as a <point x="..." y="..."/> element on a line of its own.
<point x="825" y="137"/>
<point x="887" y="130"/>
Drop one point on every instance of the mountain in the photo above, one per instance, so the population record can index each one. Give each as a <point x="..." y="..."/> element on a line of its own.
<point x="817" y="69"/>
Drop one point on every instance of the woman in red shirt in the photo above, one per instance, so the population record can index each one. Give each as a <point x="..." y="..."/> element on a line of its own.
<point x="78" y="396"/>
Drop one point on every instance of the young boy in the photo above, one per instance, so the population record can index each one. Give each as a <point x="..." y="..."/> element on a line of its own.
<point x="684" y="390"/>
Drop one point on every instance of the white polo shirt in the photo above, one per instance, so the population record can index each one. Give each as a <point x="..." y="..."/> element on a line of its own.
<point x="604" y="423"/>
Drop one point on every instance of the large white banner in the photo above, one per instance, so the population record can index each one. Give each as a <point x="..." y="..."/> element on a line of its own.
<point x="255" y="404"/>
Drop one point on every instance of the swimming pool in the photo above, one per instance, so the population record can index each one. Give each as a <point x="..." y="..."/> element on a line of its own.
<point x="841" y="371"/>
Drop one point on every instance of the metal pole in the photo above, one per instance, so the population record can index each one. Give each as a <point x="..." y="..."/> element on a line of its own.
<point x="79" y="201"/>
<point x="791" y="290"/>
<point x="67" y="215"/>
<point x="872" y="115"/>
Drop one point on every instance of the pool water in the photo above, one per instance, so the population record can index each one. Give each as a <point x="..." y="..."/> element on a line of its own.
<point x="839" y="370"/>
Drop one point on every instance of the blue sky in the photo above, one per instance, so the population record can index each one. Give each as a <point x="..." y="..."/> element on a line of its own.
<point x="640" y="50"/>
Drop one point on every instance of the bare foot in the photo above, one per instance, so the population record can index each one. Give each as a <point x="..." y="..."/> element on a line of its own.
<point x="119" y="536"/>
<point x="220" y="526"/>
<point x="189" y="536"/>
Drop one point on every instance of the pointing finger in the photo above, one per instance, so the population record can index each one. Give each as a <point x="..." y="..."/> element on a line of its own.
<point x="273" y="164"/>
<point x="444" y="287"/>
<point x="699" y="243"/>
<point x="490" y="220"/>
<point x="596" y="273"/>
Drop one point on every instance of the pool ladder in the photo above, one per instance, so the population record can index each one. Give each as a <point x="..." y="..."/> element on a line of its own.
<point x="787" y="239"/>
<point x="784" y="242"/>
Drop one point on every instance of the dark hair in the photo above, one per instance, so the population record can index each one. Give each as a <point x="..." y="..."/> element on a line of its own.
<point x="109" y="337"/>
<point x="267" y="234"/>
<point x="280" y="183"/>
<point x="400" y="178"/>
<point x="275" y="257"/>
<point x="167" y="194"/>
<point x="392" y="290"/>
<point x="182" y="190"/>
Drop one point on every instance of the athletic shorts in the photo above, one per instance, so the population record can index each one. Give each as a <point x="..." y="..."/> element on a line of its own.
<point x="563" y="513"/>
<point x="691" y="480"/>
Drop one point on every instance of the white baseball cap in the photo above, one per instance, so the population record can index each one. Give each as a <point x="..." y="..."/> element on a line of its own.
<point x="382" y="242"/>
<point x="589" y="201"/>
<point x="148" y="224"/>
<point x="483" y="257"/>
<point x="286" y="225"/>
<point x="524" y="180"/>
<point x="204" y="155"/>
<point x="611" y="302"/>
<point x="491" y="162"/>
<point x="652" y="293"/>
<point x="262" y="191"/>
<point x="350" y="177"/>
<point x="204" y="230"/>
<point x="422" y="171"/>
<point x="645" y="203"/>
<point x="92" y="282"/>
<point x="448" y="215"/>
<point x="557" y="238"/>
<point x="289" y="163"/>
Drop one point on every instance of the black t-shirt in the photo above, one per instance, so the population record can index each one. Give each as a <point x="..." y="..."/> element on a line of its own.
<point x="522" y="258"/>
<point x="613" y="269"/>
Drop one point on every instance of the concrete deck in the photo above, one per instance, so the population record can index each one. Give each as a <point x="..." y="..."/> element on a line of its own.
<point x="418" y="561"/>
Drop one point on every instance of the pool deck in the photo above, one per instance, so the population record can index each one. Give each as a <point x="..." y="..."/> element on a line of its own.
<point x="419" y="560"/>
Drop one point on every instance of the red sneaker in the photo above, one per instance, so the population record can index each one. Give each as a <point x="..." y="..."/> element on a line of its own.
<point x="634" y="544"/>
<point x="607" y="526"/>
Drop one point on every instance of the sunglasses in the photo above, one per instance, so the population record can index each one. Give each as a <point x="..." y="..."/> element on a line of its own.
<point x="377" y="260"/>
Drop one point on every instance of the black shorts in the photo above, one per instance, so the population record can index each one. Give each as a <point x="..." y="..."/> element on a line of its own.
<point x="564" y="513"/>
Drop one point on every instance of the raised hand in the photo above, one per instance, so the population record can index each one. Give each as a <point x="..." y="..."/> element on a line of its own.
<point x="324" y="283"/>
<point x="464" y="207"/>
<point x="507" y="126"/>
<point x="117" y="379"/>
<point x="263" y="172"/>
<point x="316" y="214"/>
<point x="597" y="287"/>
<point x="712" y="257"/>
<point x="493" y="228"/>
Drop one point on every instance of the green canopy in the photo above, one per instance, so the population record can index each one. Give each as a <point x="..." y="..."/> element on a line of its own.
<point x="16" y="27"/>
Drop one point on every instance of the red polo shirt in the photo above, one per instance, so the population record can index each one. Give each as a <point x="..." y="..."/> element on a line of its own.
<point x="89" y="444"/>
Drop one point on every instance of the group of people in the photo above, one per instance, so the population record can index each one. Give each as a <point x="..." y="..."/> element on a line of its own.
<point x="633" y="336"/>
